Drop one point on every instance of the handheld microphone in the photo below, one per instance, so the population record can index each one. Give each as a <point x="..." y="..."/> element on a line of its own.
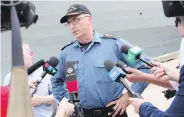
<point x="72" y="86"/>
<point x="134" y="53"/>
<point x="48" y="67"/>
<point x="35" y="66"/>
<point x="118" y="75"/>
<point x="123" y="66"/>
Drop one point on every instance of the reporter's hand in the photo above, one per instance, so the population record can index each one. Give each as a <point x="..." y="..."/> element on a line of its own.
<point x="36" y="100"/>
<point x="68" y="107"/>
<point x="31" y="84"/>
<point x="135" y="75"/>
<point x="160" y="70"/>
<point x="136" y="103"/>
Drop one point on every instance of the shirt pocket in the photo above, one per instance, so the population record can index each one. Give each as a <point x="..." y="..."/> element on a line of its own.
<point x="101" y="71"/>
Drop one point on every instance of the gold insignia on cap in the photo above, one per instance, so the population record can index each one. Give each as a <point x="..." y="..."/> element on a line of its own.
<point x="71" y="9"/>
<point x="110" y="36"/>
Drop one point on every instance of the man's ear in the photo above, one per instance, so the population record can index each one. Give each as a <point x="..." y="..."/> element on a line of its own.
<point x="31" y="54"/>
<point x="90" y="20"/>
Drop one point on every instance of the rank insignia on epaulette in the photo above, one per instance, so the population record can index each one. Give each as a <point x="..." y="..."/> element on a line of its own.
<point x="110" y="36"/>
<point x="68" y="45"/>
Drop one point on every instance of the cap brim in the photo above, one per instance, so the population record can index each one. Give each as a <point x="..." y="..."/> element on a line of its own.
<point x="64" y="18"/>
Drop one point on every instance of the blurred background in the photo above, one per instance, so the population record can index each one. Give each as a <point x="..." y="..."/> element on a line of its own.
<point x="140" y="22"/>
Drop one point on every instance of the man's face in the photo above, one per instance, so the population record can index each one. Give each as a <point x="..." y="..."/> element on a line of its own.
<point x="27" y="56"/>
<point x="179" y="23"/>
<point x="79" y="24"/>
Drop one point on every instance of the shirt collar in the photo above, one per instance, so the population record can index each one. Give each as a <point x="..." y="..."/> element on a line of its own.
<point x="96" y="39"/>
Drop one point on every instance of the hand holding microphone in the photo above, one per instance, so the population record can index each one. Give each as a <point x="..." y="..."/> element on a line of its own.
<point x="118" y="75"/>
<point x="31" y="83"/>
<point x="48" y="68"/>
<point x="132" y="75"/>
<point x="163" y="72"/>
<point x="135" y="53"/>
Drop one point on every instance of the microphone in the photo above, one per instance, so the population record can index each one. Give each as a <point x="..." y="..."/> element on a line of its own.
<point x="123" y="66"/>
<point x="134" y="53"/>
<point x="72" y="86"/>
<point x="35" y="66"/>
<point x="117" y="75"/>
<point x="48" y="67"/>
<point x="71" y="80"/>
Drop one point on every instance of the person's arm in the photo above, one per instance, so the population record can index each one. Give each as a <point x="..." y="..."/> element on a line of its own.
<point x="61" y="112"/>
<point x="58" y="81"/>
<point x="138" y="76"/>
<point x="164" y="72"/>
<point x="65" y="109"/>
<point x="38" y="100"/>
<point x="138" y="87"/>
<point x="153" y="80"/>
<point x="146" y="109"/>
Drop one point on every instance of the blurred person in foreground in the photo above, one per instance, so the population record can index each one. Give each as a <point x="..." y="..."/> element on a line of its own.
<point x="43" y="99"/>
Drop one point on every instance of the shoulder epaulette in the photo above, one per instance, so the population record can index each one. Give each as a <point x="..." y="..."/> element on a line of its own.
<point x="110" y="36"/>
<point x="68" y="45"/>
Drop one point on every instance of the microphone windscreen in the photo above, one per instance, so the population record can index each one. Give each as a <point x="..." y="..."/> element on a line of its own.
<point x="35" y="66"/>
<point x="125" y="48"/>
<point x="109" y="65"/>
<point x="53" y="61"/>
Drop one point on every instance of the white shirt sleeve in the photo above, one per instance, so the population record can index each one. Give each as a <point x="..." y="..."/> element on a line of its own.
<point x="174" y="85"/>
<point x="7" y="79"/>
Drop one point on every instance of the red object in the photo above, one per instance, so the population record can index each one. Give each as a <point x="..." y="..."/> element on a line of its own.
<point x="46" y="65"/>
<point x="4" y="100"/>
<point x="72" y="86"/>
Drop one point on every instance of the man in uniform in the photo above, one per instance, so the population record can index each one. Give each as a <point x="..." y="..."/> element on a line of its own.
<point x="97" y="92"/>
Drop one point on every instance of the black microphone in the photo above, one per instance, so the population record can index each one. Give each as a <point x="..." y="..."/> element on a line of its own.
<point x="72" y="86"/>
<point x="134" y="53"/>
<point x="123" y="66"/>
<point x="118" y="75"/>
<point x="48" y="68"/>
<point x="35" y="66"/>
